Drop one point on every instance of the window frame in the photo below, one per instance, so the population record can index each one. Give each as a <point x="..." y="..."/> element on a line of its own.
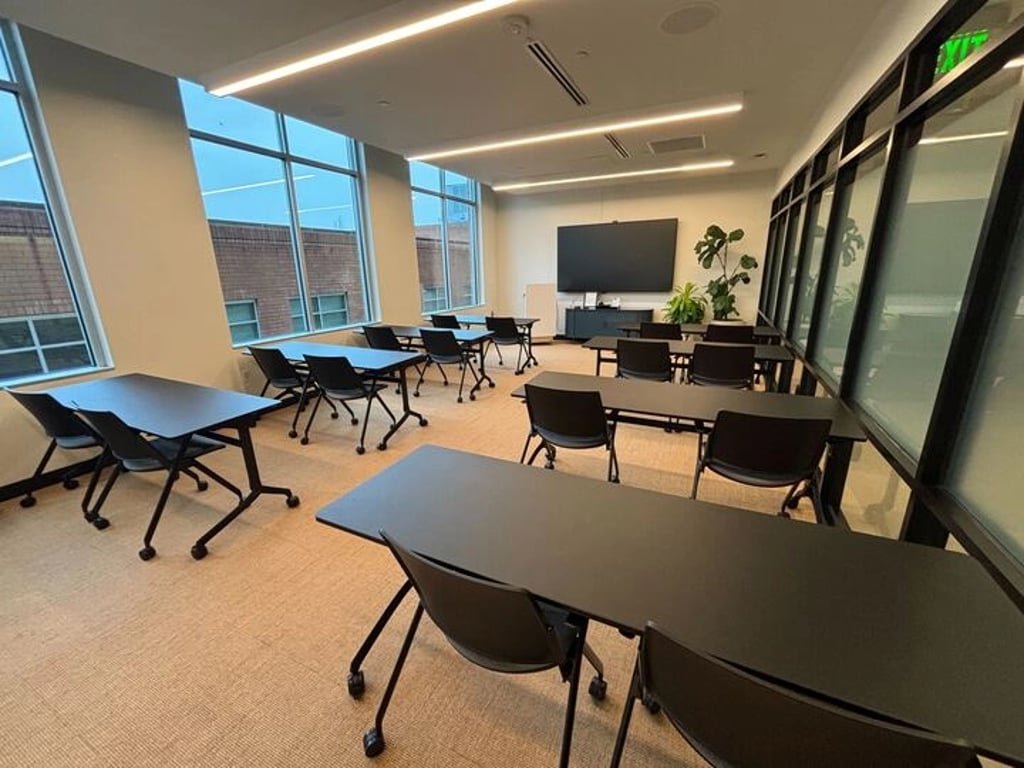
<point x="255" y="320"/>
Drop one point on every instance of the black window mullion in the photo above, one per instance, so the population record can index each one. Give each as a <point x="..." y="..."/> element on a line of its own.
<point x="844" y="178"/>
<point x="803" y="258"/>
<point x="766" y="273"/>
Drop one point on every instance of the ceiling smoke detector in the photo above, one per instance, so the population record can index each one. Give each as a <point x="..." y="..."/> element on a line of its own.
<point x="690" y="18"/>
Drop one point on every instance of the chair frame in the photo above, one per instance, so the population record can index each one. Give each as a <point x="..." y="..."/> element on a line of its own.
<point x="464" y="359"/>
<point x="301" y="395"/>
<point x="494" y="324"/>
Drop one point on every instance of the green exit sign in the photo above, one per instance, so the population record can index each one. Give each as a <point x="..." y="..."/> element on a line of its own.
<point x="959" y="47"/>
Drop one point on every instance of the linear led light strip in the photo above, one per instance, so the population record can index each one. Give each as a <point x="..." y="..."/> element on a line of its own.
<point x="962" y="137"/>
<point x="255" y="185"/>
<point x="361" y="46"/>
<point x="16" y="159"/>
<point x="677" y="117"/>
<point x="579" y="179"/>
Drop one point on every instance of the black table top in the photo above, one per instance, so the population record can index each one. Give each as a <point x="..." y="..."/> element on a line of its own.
<point x="162" y="407"/>
<point x="413" y="332"/>
<point x="655" y="398"/>
<point x="482" y="320"/>
<point x="912" y="632"/>
<point x="363" y="358"/>
<point x="769" y="353"/>
<point x="699" y="329"/>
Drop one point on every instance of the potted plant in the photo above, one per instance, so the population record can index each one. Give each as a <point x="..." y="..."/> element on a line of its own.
<point x="687" y="305"/>
<point x="713" y="252"/>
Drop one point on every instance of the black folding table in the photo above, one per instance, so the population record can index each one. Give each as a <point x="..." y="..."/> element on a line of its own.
<point x="765" y="334"/>
<point x="523" y="323"/>
<point x="467" y="338"/>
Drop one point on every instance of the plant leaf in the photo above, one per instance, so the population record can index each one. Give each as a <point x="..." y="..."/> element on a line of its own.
<point x="715" y="232"/>
<point x="735" y="235"/>
<point x="748" y="262"/>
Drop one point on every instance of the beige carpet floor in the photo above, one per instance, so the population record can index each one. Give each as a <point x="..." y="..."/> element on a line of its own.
<point x="240" y="659"/>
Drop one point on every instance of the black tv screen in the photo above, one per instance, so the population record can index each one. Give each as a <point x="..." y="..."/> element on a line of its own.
<point x="621" y="257"/>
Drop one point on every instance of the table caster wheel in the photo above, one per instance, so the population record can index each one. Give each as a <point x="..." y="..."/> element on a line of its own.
<point x="304" y="441"/>
<point x="382" y="446"/>
<point x="334" y="415"/>
<point x="423" y="422"/>
<point x="446" y="383"/>
<point x="472" y="396"/>
<point x="519" y="373"/>
<point x="202" y="485"/>
<point x="460" y="400"/>
<point x="360" y="450"/>
<point x="293" y="501"/>
<point x="373" y="742"/>
<point x="652" y="706"/>
<point x="354" y="421"/>
<point x="415" y="394"/>
<point x="292" y="434"/>
<point x="598" y="688"/>
<point x="490" y="384"/>
<point x="70" y="484"/>
<point x="147" y="553"/>
<point x="199" y="551"/>
<point x="100" y="523"/>
<point x="356" y="684"/>
<point x="28" y="501"/>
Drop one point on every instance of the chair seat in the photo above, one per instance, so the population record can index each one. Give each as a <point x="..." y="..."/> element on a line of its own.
<point x="750" y="477"/>
<point x="446" y="359"/>
<point x="573" y="441"/>
<point x="645" y="375"/>
<point x="507" y="341"/>
<point x="289" y="383"/>
<point x="353" y="394"/>
<point x="197" y="446"/>
<point x="71" y="442"/>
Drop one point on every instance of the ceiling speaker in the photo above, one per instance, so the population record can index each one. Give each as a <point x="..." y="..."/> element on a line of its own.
<point x="689" y="18"/>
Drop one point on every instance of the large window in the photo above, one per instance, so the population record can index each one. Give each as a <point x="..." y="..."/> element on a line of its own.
<point x="282" y="199"/>
<point x="819" y="211"/>
<point x="445" y="216"/>
<point x="787" y="275"/>
<point x="42" y="328"/>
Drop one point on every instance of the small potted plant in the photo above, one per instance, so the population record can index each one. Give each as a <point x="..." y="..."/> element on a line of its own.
<point x="713" y="252"/>
<point x="687" y="305"/>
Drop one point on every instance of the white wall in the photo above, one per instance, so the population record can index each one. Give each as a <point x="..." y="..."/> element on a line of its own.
<point x="528" y="226"/>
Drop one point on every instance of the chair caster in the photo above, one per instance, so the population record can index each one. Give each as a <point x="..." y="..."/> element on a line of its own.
<point x="293" y="501"/>
<point x="202" y="485"/>
<point x="373" y="742"/>
<point x="70" y="484"/>
<point x="334" y="415"/>
<point x="100" y="523"/>
<point x="616" y="480"/>
<point x="472" y="396"/>
<point x="199" y="551"/>
<point x="598" y="688"/>
<point x="304" y="441"/>
<point x="650" y="704"/>
<point x="147" y="553"/>
<point x="382" y="446"/>
<point x="354" y="421"/>
<point x="549" y="465"/>
<point x="28" y="501"/>
<point x="459" y="400"/>
<point x="490" y="384"/>
<point x="360" y="449"/>
<point x="356" y="684"/>
<point x="784" y="513"/>
<point x="520" y="372"/>
<point x="446" y="383"/>
<point x="423" y="422"/>
<point x="415" y="394"/>
<point x="292" y="434"/>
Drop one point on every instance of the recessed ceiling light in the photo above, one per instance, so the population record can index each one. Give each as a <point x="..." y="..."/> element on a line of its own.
<point x="630" y="174"/>
<point x="361" y="46"/>
<point x="961" y="137"/>
<point x="678" y="117"/>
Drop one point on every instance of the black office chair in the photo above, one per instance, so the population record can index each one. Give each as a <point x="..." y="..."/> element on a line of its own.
<point x="383" y="337"/>
<point x="283" y="375"/>
<point x="666" y="331"/>
<point x="337" y="381"/>
<point x="732" y="718"/>
<point x="443" y="349"/>
<point x="497" y="627"/>
<point x="507" y="334"/>
<point x="567" y="419"/>
<point x="65" y="430"/>
<point x="767" y="452"/>
<point x="730" y="333"/>
<point x="135" y="453"/>
<point x="449" y="322"/>
<point x="648" y="360"/>
<point x="713" y="365"/>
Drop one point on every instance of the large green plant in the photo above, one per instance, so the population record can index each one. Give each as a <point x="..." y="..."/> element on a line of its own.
<point x="687" y="305"/>
<point x="713" y="253"/>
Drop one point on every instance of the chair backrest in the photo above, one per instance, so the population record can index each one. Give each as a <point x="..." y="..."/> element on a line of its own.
<point x="440" y="344"/>
<point x="504" y="328"/>
<point x="493" y="625"/>
<point x="668" y="331"/>
<point x="445" y="321"/>
<point x="334" y="374"/>
<point x="55" y="419"/>
<point x="732" y="333"/>
<point x="382" y="337"/>
<point x="567" y="418"/>
<point x="722" y="366"/>
<point x="776" y="450"/>
<point x="126" y="443"/>
<point x="273" y="363"/>
<point x="644" y="360"/>
<point x="736" y="719"/>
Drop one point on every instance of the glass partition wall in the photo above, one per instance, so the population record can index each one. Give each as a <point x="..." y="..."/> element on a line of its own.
<point x="895" y="271"/>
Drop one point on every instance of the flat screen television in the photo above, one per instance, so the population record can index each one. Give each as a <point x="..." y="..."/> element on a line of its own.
<point x="621" y="257"/>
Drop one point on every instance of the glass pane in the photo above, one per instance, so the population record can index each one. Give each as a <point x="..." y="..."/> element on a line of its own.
<point x="316" y="143"/>
<point x="772" y="274"/>
<point x="857" y="204"/>
<point x="297" y="315"/>
<point x="243" y="312"/>
<point x="63" y="358"/>
<point x="875" y="498"/>
<point x="15" y="335"/>
<point x="425" y="176"/>
<point x="59" y="330"/>
<point x="5" y="68"/>
<point x="229" y="117"/>
<point x="788" y="276"/>
<point x="883" y="114"/>
<point x="14" y="365"/>
<point x="328" y="218"/>
<point x="244" y="334"/>
<point x="461" y="254"/>
<point x="459" y="186"/>
<point x="819" y="212"/>
<point x="986" y="473"/>
<point x="246" y="201"/>
<point x="944" y="186"/>
<point x="426" y="212"/>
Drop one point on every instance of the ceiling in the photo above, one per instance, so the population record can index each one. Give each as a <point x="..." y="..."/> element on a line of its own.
<point x="475" y="81"/>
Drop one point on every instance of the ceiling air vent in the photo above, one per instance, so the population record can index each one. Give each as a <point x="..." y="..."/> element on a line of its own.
<point x="620" y="150"/>
<point x="676" y="145"/>
<point x="556" y="71"/>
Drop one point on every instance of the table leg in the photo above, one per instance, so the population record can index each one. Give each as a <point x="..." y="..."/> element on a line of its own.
<point x="837" y="466"/>
<point x="785" y="376"/>
<point x="406" y="410"/>
<point x="482" y="371"/>
<point x="256" y="488"/>
<point x="531" y="359"/>
<point x="356" y="681"/>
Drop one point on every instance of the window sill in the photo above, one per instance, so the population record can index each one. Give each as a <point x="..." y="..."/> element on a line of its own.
<point x="305" y="334"/>
<point x="71" y="373"/>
